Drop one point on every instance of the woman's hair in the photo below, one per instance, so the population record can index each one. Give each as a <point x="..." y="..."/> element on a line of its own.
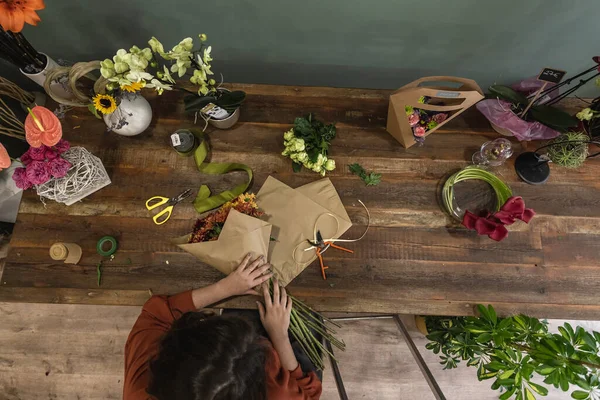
<point x="210" y="358"/>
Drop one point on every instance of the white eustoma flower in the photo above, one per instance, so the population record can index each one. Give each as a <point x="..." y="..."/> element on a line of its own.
<point x="302" y="157"/>
<point x="321" y="160"/>
<point x="289" y="135"/>
<point x="298" y="144"/>
<point x="329" y="165"/>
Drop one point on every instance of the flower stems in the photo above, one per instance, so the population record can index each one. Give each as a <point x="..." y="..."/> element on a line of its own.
<point x="502" y="190"/>
<point x="304" y="324"/>
<point x="18" y="51"/>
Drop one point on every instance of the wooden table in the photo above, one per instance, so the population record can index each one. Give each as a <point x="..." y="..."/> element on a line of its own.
<point x="414" y="259"/>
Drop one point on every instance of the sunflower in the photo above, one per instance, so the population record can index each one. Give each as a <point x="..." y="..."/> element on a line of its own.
<point x="133" y="87"/>
<point x="15" y="13"/>
<point x="105" y="103"/>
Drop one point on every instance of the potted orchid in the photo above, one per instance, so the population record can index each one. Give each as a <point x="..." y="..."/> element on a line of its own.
<point x="129" y="72"/>
<point x="216" y="105"/>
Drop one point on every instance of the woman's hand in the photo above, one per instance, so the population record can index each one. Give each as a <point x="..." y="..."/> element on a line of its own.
<point x="247" y="275"/>
<point x="275" y="317"/>
<point x="275" y="314"/>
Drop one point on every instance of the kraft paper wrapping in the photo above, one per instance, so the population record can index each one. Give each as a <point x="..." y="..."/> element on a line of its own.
<point x="241" y="235"/>
<point x="290" y="218"/>
<point x="294" y="214"/>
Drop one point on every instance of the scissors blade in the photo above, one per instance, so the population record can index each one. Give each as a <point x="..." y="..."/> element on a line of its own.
<point x="182" y="196"/>
<point x="319" y="237"/>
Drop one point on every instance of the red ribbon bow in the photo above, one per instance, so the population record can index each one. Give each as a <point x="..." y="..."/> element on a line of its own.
<point x="493" y="225"/>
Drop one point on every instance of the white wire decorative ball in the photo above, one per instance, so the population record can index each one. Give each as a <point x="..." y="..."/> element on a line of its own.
<point x="86" y="176"/>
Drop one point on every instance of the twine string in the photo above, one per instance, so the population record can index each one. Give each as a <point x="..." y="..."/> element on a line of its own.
<point x="333" y="239"/>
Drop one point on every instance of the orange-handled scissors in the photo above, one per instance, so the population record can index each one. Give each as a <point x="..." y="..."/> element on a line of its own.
<point x="158" y="201"/>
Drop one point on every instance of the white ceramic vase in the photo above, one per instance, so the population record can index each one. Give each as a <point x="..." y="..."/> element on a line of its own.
<point x="132" y="116"/>
<point x="60" y="88"/>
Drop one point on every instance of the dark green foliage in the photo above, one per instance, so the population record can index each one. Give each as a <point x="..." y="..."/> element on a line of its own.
<point x="553" y="117"/>
<point x="317" y="135"/>
<point x="514" y="350"/>
<point x="508" y="94"/>
<point x="226" y="100"/>
<point x="370" y="179"/>
<point x="231" y="100"/>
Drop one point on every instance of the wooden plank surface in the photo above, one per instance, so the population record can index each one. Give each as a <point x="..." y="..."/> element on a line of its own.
<point x="415" y="259"/>
<point x="75" y="352"/>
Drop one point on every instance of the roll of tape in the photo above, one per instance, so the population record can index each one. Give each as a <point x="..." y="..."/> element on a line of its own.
<point x="70" y="253"/>
<point x="184" y="142"/>
<point x="100" y="246"/>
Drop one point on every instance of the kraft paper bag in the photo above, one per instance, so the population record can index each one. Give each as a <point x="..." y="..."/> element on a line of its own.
<point x="295" y="214"/>
<point x="457" y="101"/>
<point x="241" y="234"/>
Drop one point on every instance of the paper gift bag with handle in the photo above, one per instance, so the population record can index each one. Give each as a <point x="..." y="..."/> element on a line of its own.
<point x="443" y="98"/>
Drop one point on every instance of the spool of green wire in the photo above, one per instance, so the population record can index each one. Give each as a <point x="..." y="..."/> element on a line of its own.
<point x="502" y="190"/>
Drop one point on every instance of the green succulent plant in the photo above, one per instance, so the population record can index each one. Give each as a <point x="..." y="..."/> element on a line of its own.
<point x="569" y="149"/>
<point x="518" y="349"/>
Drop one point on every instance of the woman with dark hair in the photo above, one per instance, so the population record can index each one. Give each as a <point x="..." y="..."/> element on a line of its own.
<point x="174" y="352"/>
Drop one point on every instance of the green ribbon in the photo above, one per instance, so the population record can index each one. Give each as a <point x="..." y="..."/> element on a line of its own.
<point x="204" y="201"/>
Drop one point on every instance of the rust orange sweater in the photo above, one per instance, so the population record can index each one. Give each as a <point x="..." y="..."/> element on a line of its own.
<point x="158" y="314"/>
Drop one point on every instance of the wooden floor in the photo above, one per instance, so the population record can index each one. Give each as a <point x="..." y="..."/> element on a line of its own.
<point x="69" y="352"/>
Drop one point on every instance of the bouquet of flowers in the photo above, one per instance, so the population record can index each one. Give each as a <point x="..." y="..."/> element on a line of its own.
<point x="307" y="144"/>
<point x="42" y="164"/>
<point x="248" y="234"/>
<point x="209" y="228"/>
<point x="422" y="121"/>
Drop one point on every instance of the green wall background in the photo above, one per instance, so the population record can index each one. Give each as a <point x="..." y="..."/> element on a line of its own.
<point x="344" y="43"/>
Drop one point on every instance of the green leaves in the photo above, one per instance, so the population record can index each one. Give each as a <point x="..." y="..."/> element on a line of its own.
<point x="195" y="103"/>
<point x="314" y="131"/>
<point x="488" y="313"/>
<point x="515" y="350"/>
<point x="94" y="111"/>
<point x="230" y="101"/>
<point x="508" y="94"/>
<point x="580" y="395"/>
<point x="370" y="179"/>
<point x="538" y="388"/>
<point x="553" y="117"/>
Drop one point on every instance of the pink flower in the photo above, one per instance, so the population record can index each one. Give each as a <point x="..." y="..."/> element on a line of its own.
<point x="20" y="178"/>
<point x="59" y="167"/>
<point x="413" y="119"/>
<point x="37" y="172"/>
<point x="62" y="146"/>
<point x="37" y="153"/>
<point x="51" y="154"/>
<point x="419" y="131"/>
<point x="439" y="118"/>
<point x="26" y="158"/>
